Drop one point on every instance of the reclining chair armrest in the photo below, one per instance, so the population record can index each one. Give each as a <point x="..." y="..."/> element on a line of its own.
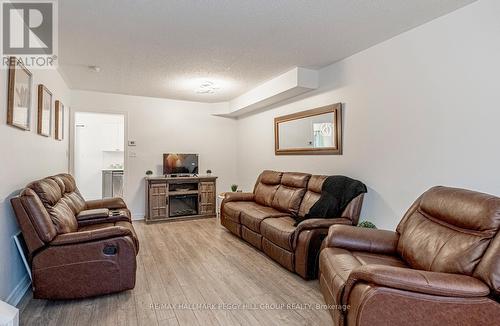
<point x="94" y="235"/>
<point x="320" y="223"/>
<point x="317" y="223"/>
<point x="92" y="214"/>
<point x="433" y="283"/>
<point x="235" y="196"/>
<point x="109" y="219"/>
<point x="362" y="239"/>
<point x="238" y="196"/>
<point x="110" y="203"/>
<point x="307" y="239"/>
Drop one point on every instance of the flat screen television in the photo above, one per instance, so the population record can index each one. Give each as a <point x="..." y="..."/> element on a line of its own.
<point x="180" y="164"/>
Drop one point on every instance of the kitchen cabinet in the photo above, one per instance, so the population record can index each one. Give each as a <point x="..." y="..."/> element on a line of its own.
<point x="113" y="137"/>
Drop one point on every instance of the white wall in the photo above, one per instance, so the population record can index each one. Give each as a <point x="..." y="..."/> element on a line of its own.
<point x="160" y="126"/>
<point x="25" y="157"/>
<point x="420" y="110"/>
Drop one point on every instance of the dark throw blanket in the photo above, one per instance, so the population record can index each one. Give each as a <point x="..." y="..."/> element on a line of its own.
<point x="336" y="193"/>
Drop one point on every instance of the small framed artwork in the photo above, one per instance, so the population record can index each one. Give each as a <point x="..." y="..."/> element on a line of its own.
<point x="44" y="111"/>
<point x="19" y="95"/>
<point x="59" y="117"/>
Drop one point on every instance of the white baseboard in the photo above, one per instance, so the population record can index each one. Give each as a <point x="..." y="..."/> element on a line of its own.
<point x="19" y="291"/>
<point x="137" y="217"/>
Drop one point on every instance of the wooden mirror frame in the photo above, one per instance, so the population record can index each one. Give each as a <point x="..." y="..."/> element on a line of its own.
<point x="337" y="150"/>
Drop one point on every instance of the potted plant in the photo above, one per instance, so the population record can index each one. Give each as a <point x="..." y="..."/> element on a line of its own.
<point x="367" y="224"/>
<point x="234" y="188"/>
<point x="149" y="173"/>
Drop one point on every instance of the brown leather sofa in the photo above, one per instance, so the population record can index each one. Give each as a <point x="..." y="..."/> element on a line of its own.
<point x="77" y="248"/>
<point x="264" y="218"/>
<point x="440" y="267"/>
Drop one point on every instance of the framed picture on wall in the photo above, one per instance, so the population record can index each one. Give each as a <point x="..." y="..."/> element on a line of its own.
<point x="59" y="117"/>
<point x="19" y="95"/>
<point x="44" y="111"/>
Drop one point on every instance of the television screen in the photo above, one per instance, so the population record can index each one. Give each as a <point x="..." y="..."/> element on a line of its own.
<point x="180" y="163"/>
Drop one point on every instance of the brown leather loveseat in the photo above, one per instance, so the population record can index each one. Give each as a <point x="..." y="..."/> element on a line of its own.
<point x="77" y="248"/>
<point x="264" y="218"/>
<point x="440" y="267"/>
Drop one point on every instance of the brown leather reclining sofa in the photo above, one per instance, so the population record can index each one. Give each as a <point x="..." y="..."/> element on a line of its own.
<point x="77" y="248"/>
<point x="440" y="267"/>
<point x="264" y="218"/>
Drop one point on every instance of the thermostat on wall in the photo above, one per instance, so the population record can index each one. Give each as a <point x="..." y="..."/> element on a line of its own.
<point x="131" y="142"/>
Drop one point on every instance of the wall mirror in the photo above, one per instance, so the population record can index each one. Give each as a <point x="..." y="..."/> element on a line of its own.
<point x="311" y="132"/>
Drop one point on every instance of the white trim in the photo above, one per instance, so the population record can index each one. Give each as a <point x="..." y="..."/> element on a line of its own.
<point x="19" y="291"/>
<point x="138" y="217"/>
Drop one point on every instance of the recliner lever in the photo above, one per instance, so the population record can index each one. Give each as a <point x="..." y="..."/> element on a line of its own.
<point x="110" y="250"/>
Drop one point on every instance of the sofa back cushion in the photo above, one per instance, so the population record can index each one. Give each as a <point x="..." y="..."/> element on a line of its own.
<point x="312" y="193"/>
<point x="266" y="186"/>
<point x="47" y="190"/>
<point x="36" y="216"/>
<point x="70" y="193"/>
<point x="448" y="230"/>
<point x="290" y="192"/>
<point x="50" y="191"/>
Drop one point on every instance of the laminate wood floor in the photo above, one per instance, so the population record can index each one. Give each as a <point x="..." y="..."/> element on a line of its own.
<point x="194" y="273"/>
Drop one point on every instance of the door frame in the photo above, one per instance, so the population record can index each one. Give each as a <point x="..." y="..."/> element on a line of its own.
<point x="72" y="137"/>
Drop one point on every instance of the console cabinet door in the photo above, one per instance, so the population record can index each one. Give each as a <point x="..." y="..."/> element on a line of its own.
<point x="207" y="198"/>
<point x="158" y="205"/>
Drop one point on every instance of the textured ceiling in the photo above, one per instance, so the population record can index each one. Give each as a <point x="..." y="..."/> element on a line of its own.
<point x="161" y="47"/>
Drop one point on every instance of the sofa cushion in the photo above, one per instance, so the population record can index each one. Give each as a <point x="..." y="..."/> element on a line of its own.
<point x="264" y="194"/>
<point x="287" y="199"/>
<point x="288" y="195"/>
<point x="336" y="264"/>
<point x="37" y="215"/>
<point x="269" y="177"/>
<point x="233" y="209"/>
<point x="252" y="217"/>
<point x="63" y="218"/>
<point x="48" y="190"/>
<point x="70" y="193"/>
<point x="312" y="194"/>
<point x="74" y="201"/>
<point x="267" y="184"/>
<point x="295" y="179"/>
<point x="279" y="231"/>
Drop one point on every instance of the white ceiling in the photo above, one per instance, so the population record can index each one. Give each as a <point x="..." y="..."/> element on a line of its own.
<point x="156" y="47"/>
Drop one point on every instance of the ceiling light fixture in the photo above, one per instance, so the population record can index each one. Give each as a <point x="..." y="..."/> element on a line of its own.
<point x="207" y="87"/>
<point x="94" y="68"/>
<point x="204" y="86"/>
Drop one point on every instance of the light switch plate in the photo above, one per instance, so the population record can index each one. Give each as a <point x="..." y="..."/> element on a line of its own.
<point x="132" y="154"/>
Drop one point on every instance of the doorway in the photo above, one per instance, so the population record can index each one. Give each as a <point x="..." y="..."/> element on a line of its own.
<point x="99" y="154"/>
